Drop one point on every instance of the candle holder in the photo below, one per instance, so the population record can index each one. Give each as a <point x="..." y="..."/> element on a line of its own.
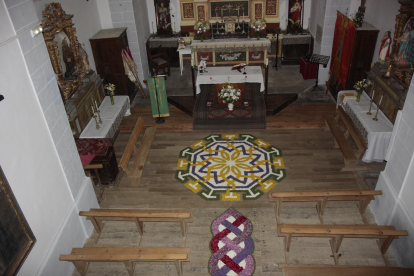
<point x="376" y="114"/>
<point x="99" y="115"/>
<point x="370" y="105"/>
<point x="96" y="122"/>
<point x="217" y="33"/>
<point x="243" y="32"/>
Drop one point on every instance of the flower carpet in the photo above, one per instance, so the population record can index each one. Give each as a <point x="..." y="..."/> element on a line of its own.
<point x="231" y="245"/>
<point x="230" y="166"/>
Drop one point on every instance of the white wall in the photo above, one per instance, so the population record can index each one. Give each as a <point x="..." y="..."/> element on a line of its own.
<point x="37" y="149"/>
<point x="382" y="19"/>
<point x="143" y="32"/>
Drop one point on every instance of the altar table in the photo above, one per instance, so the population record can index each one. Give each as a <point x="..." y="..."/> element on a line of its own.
<point x="181" y="52"/>
<point x="377" y="134"/>
<point x="111" y="116"/>
<point x="231" y="51"/>
<point x="217" y="75"/>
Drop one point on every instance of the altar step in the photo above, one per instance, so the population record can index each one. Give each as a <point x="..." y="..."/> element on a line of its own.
<point x="277" y="102"/>
<point x="183" y="103"/>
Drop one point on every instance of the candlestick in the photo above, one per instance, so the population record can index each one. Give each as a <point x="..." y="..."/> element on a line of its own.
<point x="369" y="111"/>
<point x="96" y="105"/>
<point x="96" y="122"/>
<point x="93" y="111"/>
<point x="99" y="116"/>
<point x="243" y="15"/>
<point x="152" y="23"/>
<point x="378" y="108"/>
<point x="267" y="61"/>
<point x="216" y="14"/>
<point x="174" y="27"/>
<point x="238" y="11"/>
<point x="192" y="63"/>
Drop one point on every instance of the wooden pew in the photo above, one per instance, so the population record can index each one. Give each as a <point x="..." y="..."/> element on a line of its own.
<point x="138" y="216"/>
<point x="322" y="197"/>
<point x="340" y="139"/>
<point x="141" y="154"/>
<point x="315" y="270"/>
<point x="81" y="257"/>
<point x="384" y="234"/>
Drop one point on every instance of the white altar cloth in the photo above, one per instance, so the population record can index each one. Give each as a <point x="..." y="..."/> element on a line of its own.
<point x="225" y="74"/>
<point x="377" y="134"/>
<point x="111" y="116"/>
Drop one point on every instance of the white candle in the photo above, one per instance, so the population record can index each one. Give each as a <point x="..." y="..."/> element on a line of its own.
<point x="372" y="96"/>
<point x="380" y="101"/>
<point x="216" y="14"/>
<point x="152" y="23"/>
<point x="96" y="104"/>
<point x="238" y="11"/>
<point x="192" y="62"/>
<point x="174" y="27"/>
<point x="243" y="16"/>
<point x="267" y="61"/>
<point x="93" y="111"/>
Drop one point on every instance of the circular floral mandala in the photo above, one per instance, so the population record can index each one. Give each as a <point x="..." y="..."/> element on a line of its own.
<point x="230" y="165"/>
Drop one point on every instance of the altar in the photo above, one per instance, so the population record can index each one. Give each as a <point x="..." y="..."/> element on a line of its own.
<point x="231" y="51"/>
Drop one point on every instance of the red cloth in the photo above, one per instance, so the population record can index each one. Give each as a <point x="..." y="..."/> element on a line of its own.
<point x="308" y="70"/>
<point x="89" y="148"/>
<point x="347" y="46"/>
<point x="337" y="38"/>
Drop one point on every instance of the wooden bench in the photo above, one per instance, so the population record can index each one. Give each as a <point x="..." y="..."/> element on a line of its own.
<point x="384" y="234"/>
<point x="81" y="257"/>
<point x="340" y="139"/>
<point x="322" y="197"/>
<point x="96" y="216"/>
<point x="141" y="154"/>
<point x="315" y="270"/>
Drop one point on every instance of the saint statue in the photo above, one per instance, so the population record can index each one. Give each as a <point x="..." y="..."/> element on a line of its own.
<point x="385" y="47"/>
<point x="406" y="41"/>
<point x="68" y="58"/>
<point x="163" y="15"/>
<point x="295" y="10"/>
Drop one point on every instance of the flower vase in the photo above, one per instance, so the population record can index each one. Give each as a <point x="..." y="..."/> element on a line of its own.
<point x="358" y="98"/>
<point x="201" y="37"/>
<point x="112" y="99"/>
<point x="230" y="106"/>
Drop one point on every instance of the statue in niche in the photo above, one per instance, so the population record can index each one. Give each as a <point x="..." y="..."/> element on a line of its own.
<point x="406" y="42"/>
<point x="163" y="15"/>
<point x="69" y="59"/>
<point x="385" y="47"/>
<point x="295" y="10"/>
<point x="84" y="56"/>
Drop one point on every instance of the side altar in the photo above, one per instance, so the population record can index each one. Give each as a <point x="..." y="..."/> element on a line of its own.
<point x="231" y="51"/>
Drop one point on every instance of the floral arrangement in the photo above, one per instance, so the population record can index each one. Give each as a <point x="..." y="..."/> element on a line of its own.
<point x="110" y="91"/>
<point x="201" y="28"/>
<point x="359" y="87"/>
<point x="258" y="26"/>
<point x="229" y="94"/>
<point x="358" y="18"/>
<point x="295" y="27"/>
<point x="163" y="30"/>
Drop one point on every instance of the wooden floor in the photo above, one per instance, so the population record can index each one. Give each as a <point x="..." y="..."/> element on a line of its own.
<point x="294" y="116"/>
<point x="311" y="164"/>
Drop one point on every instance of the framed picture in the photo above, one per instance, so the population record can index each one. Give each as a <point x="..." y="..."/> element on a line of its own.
<point x="16" y="237"/>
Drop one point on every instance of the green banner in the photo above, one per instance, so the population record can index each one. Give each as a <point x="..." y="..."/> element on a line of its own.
<point x="158" y="96"/>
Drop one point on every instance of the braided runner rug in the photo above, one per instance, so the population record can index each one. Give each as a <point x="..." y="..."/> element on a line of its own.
<point x="231" y="245"/>
<point x="230" y="166"/>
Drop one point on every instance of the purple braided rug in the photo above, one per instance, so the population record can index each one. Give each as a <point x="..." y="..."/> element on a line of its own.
<point x="231" y="245"/>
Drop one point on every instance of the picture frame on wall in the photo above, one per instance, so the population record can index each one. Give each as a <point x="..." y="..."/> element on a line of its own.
<point x="16" y="237"/>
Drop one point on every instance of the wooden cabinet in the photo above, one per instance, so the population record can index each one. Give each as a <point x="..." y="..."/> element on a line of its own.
<point x="361" y="58"/>
<point x="106" y="47"/>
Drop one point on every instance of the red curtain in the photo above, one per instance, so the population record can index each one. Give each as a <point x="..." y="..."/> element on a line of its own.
<point x="342" y="48"/>
<point x="348" y="44"/>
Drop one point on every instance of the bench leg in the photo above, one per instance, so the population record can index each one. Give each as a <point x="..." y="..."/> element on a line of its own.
<point x="362" y="207"/>
<point x="288" y="240"/>
<point x="336" y="243"/>
<point x="279" y="206"/>
<point x="98" y="225"/>
<point x="183" y="227"/>
<point x="81" y="267"/>
<point x="179" y="265"/>
<point x="383" y="245"/>
<point x="130" y="266"/>
<point x="140" y="226"/>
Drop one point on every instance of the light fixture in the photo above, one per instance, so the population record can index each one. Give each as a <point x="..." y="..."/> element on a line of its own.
<point x="38" y="30"/>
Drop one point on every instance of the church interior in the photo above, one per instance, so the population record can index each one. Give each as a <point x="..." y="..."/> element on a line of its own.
<point x="207" y="137"/>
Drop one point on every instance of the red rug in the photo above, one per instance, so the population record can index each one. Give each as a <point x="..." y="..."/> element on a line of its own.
<point x="89" y="148"/>
<point x="222" y="111"/>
